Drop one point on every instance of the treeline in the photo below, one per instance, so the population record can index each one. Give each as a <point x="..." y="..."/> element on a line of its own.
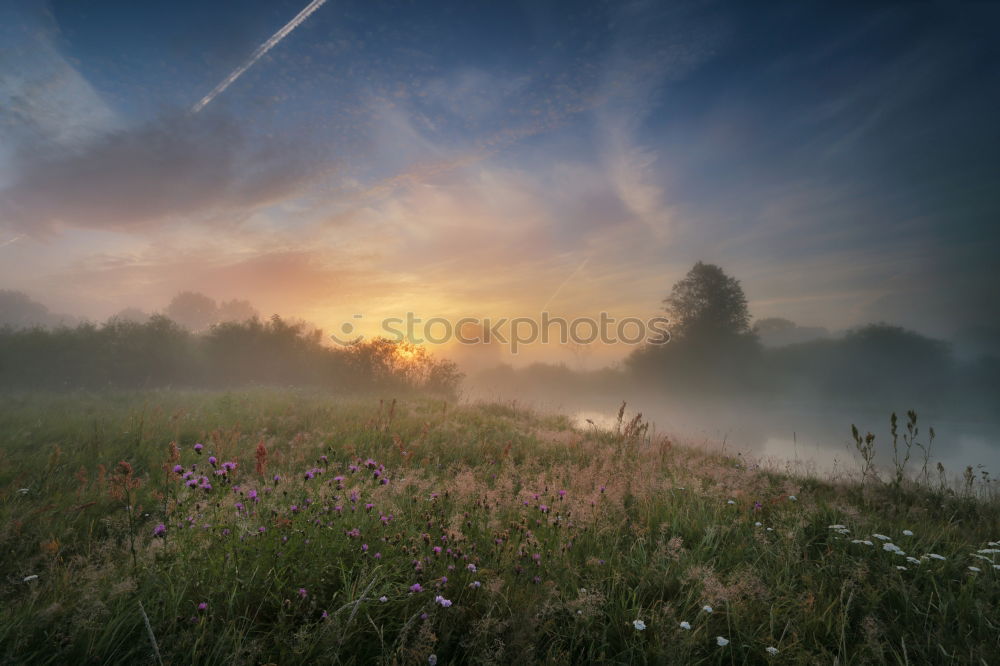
<point x="160" y="353"/>
<point x="871" y="364"/>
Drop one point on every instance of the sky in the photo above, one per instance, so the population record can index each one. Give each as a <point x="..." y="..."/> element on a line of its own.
<point x="492" y="159"/>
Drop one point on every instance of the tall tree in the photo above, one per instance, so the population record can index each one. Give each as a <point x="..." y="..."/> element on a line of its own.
<point x="194" y="311"/>
<point x="707" y="305"/>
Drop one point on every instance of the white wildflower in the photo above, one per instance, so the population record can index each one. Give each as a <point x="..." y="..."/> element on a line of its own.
<point x="28" y="579"/>
<point x="865" y="542"/>
<point x="639" y="625"/>
<point x="686" y="626"/>
<point x="792" y="498"/>
<point x="771" y="650"/>
<point x="731" y="502"/>
<point x="707" y="609"/>
<point x="901" y="567"/>
<point x="882" y="537"/>
<point x="721" y="642"/>
<point x="935" y="556"/>
<point x="976" y="569"/>
<point x="907" y="533"/>
<point x="383" y="599"/>
<point x="758" y="524"/>
<point x="912" y="560"/>
<point x="989" y="550"/>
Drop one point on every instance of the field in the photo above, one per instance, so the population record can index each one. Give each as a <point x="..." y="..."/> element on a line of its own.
<point x="298" y="527"/>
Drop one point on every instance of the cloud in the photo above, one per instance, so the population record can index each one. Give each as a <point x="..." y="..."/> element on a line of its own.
<point x="175" y="167"/>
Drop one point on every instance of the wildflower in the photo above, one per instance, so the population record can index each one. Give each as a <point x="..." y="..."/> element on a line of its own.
<point x="432" y="660"/>
<point x="543" y="508"/>
<point x="862" y="541"/>
<point x="989" y="550"/>
<point x="325" y="615"/>
<point x="907" y="533"/>
<point x="639" y="625"/>
<point x="28" y="579"/>
<point x="686" y="626"/>
<point x="159" y="530"/>
<point x="901" y="567"/>
<point x="178" y="469"/>
<point x="252" y="495"/>
<point x="472" y="568"/>
<point x="721" y="642"/>
<point x="203" y="606"/>
<point x="303" y="593"/>
<point x="198" y="448"/>
<point x="757" y="506"/>
<point x="731" y="502"/>
<point x="562" y="493"/>
<point x="261" y="529"/>
<point x="758" y="524"/>
<point x="445" y="603"/>
<point x="771" y="650"/>
<point x="707" y="609"/>
<point x="383" y="598"/>
<point x="212" y="460"/>
<point x="975" y="569"/>
<point x="892" y="548"/>
<point x="476" y="584"/>
<point x="416" y="587"/>
<point x="24" y="491"/>
<point x="793" y="498"/>
<point x="882" y="537"/>
<point x="935" y="556"/>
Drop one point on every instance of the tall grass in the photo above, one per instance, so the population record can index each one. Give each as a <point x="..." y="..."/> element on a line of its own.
<point x="548" y="542"/>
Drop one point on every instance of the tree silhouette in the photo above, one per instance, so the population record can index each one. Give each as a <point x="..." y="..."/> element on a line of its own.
<point x="194" y="311"/>
<point x="708" y="306"/>
<point x="236" y="310"/>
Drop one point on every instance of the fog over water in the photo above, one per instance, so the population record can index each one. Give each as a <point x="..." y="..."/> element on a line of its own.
<point x="804" y="435"/>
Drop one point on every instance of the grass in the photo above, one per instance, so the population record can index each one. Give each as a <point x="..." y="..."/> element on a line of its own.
<point x="553" y="541"/>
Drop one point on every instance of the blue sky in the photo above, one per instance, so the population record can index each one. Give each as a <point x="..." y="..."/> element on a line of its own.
<point x="466" y="158"/>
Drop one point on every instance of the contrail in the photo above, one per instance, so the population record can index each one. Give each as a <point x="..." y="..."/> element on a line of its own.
<point x="11" y="240"/>
<point x="564" y="282"/>
<point x="258" y="54"/>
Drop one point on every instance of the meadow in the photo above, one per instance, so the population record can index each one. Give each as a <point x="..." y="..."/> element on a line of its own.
<point x="286" y="526"/>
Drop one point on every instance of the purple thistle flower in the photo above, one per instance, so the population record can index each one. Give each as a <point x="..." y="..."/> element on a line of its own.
<point x="445" y="603"/>
<point x="212" y="460"/>
<point x="303" y="593"/>
<point x="203" y="606"/>
<point x="178" y="469"/>
<point x="159" y="530"/>
<point x="198" y="448"/>
<point x="416" y="587"/>
<point x="252" y="494"/>
<point x="543" y="508"/>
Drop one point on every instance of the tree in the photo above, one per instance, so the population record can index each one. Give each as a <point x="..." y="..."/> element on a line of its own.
<point x="236" y="310"/>
<point x="707" y="306"/>
<point x="194" y="311"/>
